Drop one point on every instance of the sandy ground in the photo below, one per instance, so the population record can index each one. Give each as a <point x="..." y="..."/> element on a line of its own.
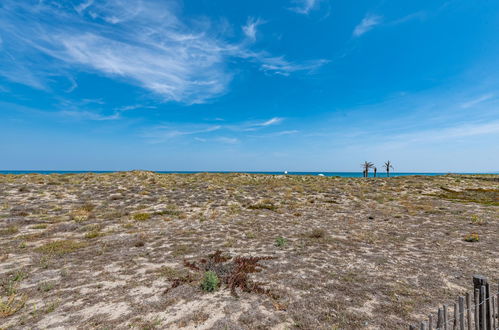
<point x="106" y="251"/>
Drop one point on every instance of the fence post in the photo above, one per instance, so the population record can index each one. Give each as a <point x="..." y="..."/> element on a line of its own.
<point x="445" y="317"/>
<point x="490" y="310"/>
<point x="494" y="317"/>
<point x="484" y="310"/>
<point x="430" y="322"/>
<point x="468" y="309"/>
<point x="483" y="314"/>
<point x="495" y="313"/>
<point x="497" y="305"/>
<point x="477" y="309"/>
<point x="461" y="313"/>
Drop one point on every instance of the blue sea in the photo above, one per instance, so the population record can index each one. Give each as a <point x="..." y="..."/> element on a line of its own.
<point x="330" y="174"/>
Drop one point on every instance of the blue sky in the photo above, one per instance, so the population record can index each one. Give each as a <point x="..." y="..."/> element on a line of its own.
<point x="298" y="85"/>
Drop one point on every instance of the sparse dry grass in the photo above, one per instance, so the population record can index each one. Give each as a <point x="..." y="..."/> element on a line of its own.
<point x="108" y="250"/>
<point x="141" y="216"/>
<point x="60" y="247"/>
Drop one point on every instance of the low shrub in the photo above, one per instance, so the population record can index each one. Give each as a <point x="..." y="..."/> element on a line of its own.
<point x="263" y="205"/>
<point x="473" y="237"/>
<point x="476" y="220"/>
<point x="317" y="233"/>
<point x="210" y="281"/>
<point x="280" y="241"/>
<point x="141" y="216"/>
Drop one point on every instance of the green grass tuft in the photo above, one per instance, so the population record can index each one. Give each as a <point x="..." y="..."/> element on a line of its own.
<point x="210" y="281"/>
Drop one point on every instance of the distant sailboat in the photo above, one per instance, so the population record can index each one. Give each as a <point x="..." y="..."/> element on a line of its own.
<point x="285" y="172"/>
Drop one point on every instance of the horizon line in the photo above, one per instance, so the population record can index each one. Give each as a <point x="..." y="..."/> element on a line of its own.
<point x="251" y="171"/>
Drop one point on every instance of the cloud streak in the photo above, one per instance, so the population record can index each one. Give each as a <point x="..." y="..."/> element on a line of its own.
<point x="478" y="100"/>
<point x="305" y="6"/>
<point x="163" y="133"/>
<point x="367" y="24"/>
<point x="443" y="134"/>
<point x="251" y="27"/>
<point x="87" y="115"/>
<point x="140" y="42"/>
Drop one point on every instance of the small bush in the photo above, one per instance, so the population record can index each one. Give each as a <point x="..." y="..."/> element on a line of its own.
<point x="141" y="216"/>
<point x="476" y="220"/>
<point x="263" y="205"/>
<point x="280" y="241"/>
<point x="93" y="234"/>
<point x="473" y="237"/>
<point x="80" y="215"/>
<point x="210" y="281"/>
<point x="317" y="233"/>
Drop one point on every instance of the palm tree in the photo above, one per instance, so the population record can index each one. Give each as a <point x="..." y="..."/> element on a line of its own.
<point x="388" y="166"/>
<point x="366" y="166"/>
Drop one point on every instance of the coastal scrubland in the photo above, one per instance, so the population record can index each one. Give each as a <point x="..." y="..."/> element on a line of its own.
<point x="143" y="250"/>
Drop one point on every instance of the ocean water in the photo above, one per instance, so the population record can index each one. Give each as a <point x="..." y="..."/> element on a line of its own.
<point x="337" y="174"/>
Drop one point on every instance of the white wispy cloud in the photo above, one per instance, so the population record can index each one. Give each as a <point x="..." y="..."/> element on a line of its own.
<point x="254" y="125"/>
<point x="84" y="5"/>
<point x="304" y="6"/>
<point x="202" y="132"/>
<point x="163" y="133"/>
<point x="476" y="101"/>
<point x="367" y="23"/>
<point x="220" y="139"/>
<point x="281" y="133"/>
<point x="227" y="140"/>
<point x="141" y="42"/>
<point x="441" y="134"/>
<point x="73" y="86"/>
<point x="419" y="15"/>
<point x="280" y="66"/>
<point x="134" y="107"/>
<point x="276" y="134"/>
<point x="250" y="29"/>
<point x="88" y="115"/>
<point x="272" y="121"/>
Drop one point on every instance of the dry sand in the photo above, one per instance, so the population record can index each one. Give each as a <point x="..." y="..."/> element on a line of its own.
<point x="102" y="251"/>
